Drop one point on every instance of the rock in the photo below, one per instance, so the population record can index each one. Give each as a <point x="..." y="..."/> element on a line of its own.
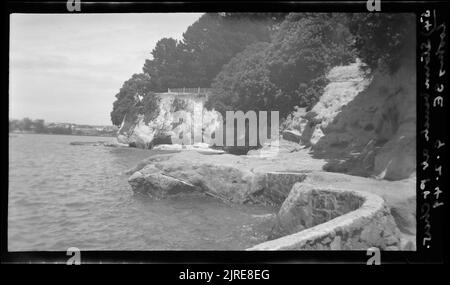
<point x="316" y="135"/>
<point x="391" y="248"/>
<point x="408" y="242"/>
<point x="326" y="240"/>
<point x="307" y="206"/>
<point x="140" y="131"/>
<point x="158" y="185"/>
<point x="404" y="213"/>
<point x="371" y="235"/>
<point x="336" y="243"/>
<point x="397" y="159"/>
<point x="234" y="178"/>
<point x="295" y="212"/>
<point x="295" y="120"/>
<point x="291" y="135"/>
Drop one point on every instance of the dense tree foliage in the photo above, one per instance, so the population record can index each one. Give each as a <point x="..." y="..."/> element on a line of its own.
<point x="26" y="124"/>
<point x="136" y="92"/>
<point x="206" y="46"/>
<point x="39" y="126"/>
<point x="264" y="61"/>
<point x="380" y="39"/>
<point x="244" y="82"/>
<point x="289" y="70"/>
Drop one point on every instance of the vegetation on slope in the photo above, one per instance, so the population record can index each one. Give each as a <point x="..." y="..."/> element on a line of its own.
<point x="263" y="61"/>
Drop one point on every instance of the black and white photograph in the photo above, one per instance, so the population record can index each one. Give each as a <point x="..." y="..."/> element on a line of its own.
<point x="214" y="131"/>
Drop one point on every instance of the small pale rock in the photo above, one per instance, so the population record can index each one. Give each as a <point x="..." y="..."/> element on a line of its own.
<point x="336" y="244"/>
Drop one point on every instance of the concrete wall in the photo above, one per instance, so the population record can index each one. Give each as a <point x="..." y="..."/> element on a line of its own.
<point x="333" y="219"/>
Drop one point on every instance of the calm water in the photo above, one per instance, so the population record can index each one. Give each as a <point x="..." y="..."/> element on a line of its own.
<point x="62" y="196"/>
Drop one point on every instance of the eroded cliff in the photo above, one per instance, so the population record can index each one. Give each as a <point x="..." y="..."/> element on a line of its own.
<point x="365" y="122"/>
<point x="177" y="115"/>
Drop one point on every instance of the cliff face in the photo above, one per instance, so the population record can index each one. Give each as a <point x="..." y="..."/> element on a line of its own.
<point x="365" y="123"/>
<point x="139" y="131"/>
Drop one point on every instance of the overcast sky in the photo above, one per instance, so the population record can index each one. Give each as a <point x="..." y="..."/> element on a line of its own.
<point x="68" y="67"/>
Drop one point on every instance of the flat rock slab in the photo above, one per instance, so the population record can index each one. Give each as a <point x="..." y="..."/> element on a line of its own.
<point x="158" y="185"/>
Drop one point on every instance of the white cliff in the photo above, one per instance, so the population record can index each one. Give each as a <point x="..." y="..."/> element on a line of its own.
<point x="181" y="117"/>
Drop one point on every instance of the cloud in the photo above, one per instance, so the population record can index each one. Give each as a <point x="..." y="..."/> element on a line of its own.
<point x="76" y="63"/>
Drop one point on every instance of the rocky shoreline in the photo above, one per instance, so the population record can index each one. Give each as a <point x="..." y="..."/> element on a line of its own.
<point x="359" y="137"/>
<point x="268" y="178"/>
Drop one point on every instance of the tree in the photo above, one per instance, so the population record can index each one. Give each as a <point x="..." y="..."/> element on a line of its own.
<point x="194" y="61"/>
<point x="289" y="71"/>
<point x="39" y="126"/>
<point x="14" y="125"/>
<point x="165" y="69"/>
<point x="25" y="124"/>
<point x="206" y="46"/>
<point x="132" y="92"/>
<point x="217" y="37"/>
<point x="244" y="83"/>
<point x="306" y="46"/>
<point x="383" y="40"/>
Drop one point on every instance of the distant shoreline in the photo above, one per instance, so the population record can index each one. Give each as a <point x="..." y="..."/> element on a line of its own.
<point x="81" y="135"/>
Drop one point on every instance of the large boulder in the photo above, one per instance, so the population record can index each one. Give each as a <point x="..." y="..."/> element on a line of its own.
<point x="236" y="179"/>
<point x="155" y="184"/>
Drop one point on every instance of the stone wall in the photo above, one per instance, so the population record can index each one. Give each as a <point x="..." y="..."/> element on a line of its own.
<point x="332" y="219"/>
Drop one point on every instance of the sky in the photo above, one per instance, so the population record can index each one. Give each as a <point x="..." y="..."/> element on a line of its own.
<point x="68" y="67"/>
